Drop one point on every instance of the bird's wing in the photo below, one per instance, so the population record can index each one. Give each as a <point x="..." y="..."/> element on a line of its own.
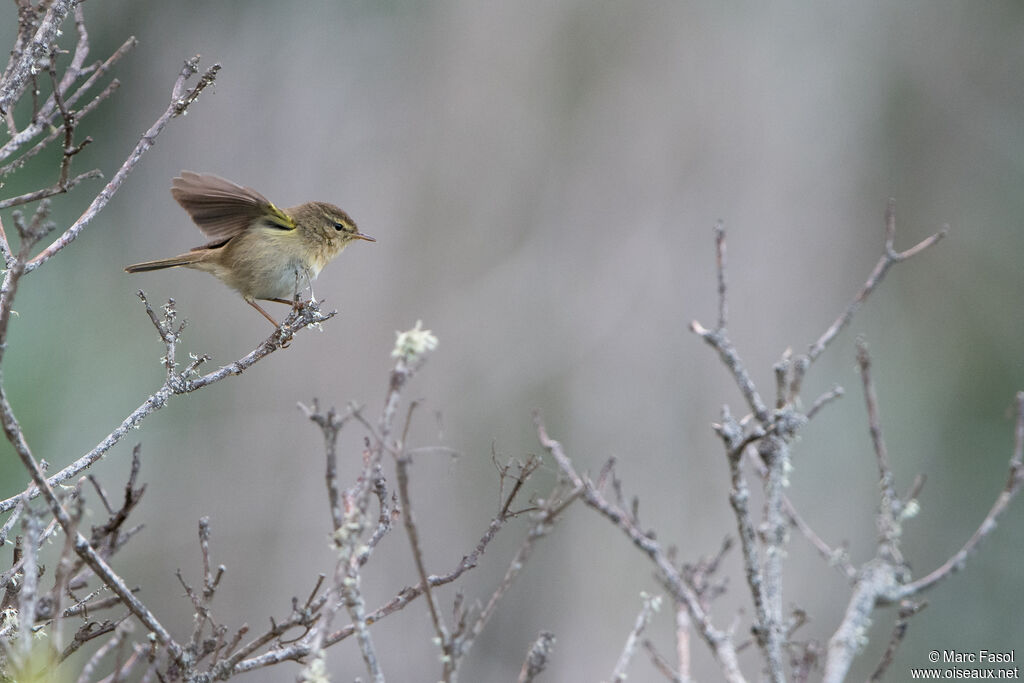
<point x="223" y="209"/>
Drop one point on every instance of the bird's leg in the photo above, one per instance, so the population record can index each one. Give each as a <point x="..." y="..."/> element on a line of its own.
<point x="284" y="344"/>
<point x="264" y="313"/>
<point x="309" y="282"/>
<point x="296" y="304"/>
<point x="301" y="274"/>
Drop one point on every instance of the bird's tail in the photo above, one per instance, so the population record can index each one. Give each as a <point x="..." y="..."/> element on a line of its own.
<point x="159" y="264"/>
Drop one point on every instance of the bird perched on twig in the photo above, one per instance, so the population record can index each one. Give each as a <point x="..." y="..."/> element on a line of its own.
<point x="256" y="248"/>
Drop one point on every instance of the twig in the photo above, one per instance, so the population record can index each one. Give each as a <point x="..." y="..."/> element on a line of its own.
<point x="29" y="594"/>
<point x="545" y="518"/>
<point x="720" y="262"/>
<point x="330" y="424"/>
<point x="719" y="642"/>
<point x="122" y="629"/>
<point x="877" y="582"/>
<point x="683" y="642"/>
<point x="74" y="70"/>
<point x="346" y="584"/>
<point x="385" y="518"/>
<point x="1014" y="478"/>
<point x="44" y="118"/>
<point x="907" y="610"/>
<point x="407" y="595"/>
<point x="766" y="627"/>
<point x="201" y="602"/>
<point x="18" y="560"/>
<point x="59" y="188"/>
<point x="303" y="615"/>
<point x="889" y="258"/>
<point x="62" y="580"/>
<point x="443" y="636"/>
<point x="350" y="519"/>
<point x="176" y="383"/>
<point x="650" y="606"/>
<point x="719" y="340"/>
<point x="889" y="524"/>
<point x="836" y="392"/>
<point x="772" y="432"/>
<point x="9" y="524"/>
<point x="537" y="658"/>
<point x="181" y="383"/>
<point x="179" y="101"/>
<point x="43" y="143"/>
<point x="12" y="86"/>
<point x="763" y="580"/>
<point x="410" y="353"/>
<point x="836" y="557"/>
<point x="29" y="234"/>
<point x="21" y="68"/>
<point x="5" y="247"/>
<point x="82" y="547"/>
<point x="660" y="663"/>
<point x="882" y="581"/>
<point x="348" y="581"/>
<point x="731" y="359"/>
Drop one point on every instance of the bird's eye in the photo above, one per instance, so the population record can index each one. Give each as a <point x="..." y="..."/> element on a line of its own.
<point x="339" y="226"/>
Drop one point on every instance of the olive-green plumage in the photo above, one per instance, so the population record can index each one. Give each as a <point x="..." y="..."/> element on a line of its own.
<point x="256" y="248"/>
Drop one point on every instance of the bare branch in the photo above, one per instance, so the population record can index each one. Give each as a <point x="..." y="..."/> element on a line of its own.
<point x="882" y="581"/>
<point x="27" y="60"/>
<point x="5" y="248"/>
<point x="81" y="545"/>
<point x="887" y="260"/>
<point x="767" y="627"/>
<point x="44" y="118"/>
<point x="545" y="519"/>
<point x="651" y="605"/>
<point x="330" y="424"/>
<point x="537" y="658"/>
<point x="1013" y="484"/>
<point x="683" y="642"/>
<point x="180" y="100"/>
<point x="60" y="188"/>
<point x="346" y="586"/>
<point x="717" y="340"/>
<point x="120" y="630"/>
<point x="720" y="261"/>
<point x="835" y="557"/>
<point x="449" y="662"/>
<point x="660" y="663"/>
<point x="237" y="663"/>
<point x="720" y="642"/>
<point x="836" y="392"/>
<point x="889" y="524"/>
<point x="183" y="383"/>
<point x="907" y="610"/>
<point x="876" y="581"/>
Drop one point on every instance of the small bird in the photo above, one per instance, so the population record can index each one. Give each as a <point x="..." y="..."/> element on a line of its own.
<point x="256" y="248"/>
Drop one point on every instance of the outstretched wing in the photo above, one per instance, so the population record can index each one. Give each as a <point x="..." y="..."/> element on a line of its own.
<point x="223" y="209"/>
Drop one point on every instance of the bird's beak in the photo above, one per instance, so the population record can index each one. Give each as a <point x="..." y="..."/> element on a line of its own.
<point x="361" y="236"/>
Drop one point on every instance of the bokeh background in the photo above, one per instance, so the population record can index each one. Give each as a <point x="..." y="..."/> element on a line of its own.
<point x="542" y="179"/>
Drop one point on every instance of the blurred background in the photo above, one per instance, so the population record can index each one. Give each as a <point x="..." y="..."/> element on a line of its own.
<point x="542" y="179"/>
